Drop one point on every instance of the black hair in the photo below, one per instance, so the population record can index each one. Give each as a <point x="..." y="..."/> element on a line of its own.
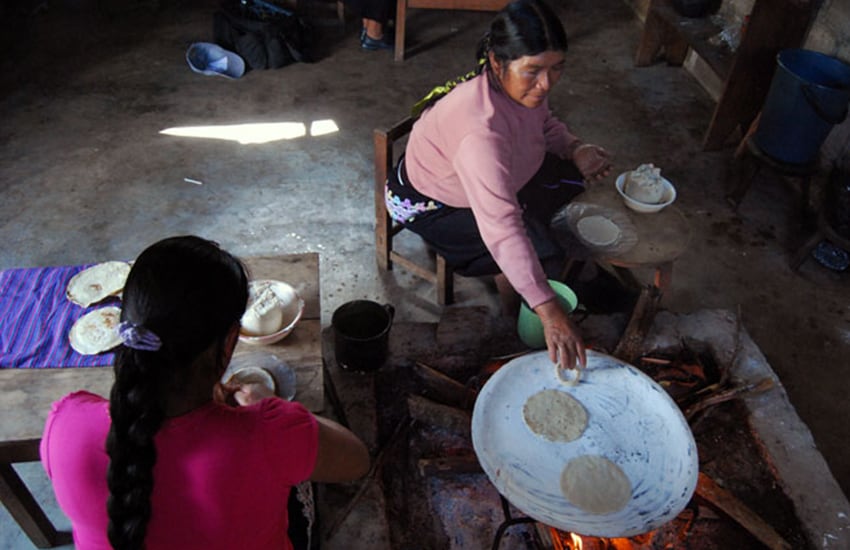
<point x="189" y="293"/>
<point x="523" y="27"/>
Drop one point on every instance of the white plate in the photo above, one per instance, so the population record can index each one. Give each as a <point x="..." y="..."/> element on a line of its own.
<point x="574" y="217"/>
<point x="631" y="421"/>
<point x="284" y="376"/>
<point x="292" y="308"/>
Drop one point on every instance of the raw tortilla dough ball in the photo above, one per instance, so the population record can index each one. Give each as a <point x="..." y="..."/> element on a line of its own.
<point x="645" y="184"/>
<point x="595" y="484"/>
<point x="555" y="415"/>
<point x="264" y="314"/>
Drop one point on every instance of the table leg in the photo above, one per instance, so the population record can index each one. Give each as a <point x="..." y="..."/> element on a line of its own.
<point x="663" y="277"/>
<point x="26" y="511"/>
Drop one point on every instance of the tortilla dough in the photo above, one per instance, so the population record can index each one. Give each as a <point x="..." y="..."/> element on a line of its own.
<point x="555" y="415"/>
<point x="96" y="331"/>
<point x="253" y="375"/>
<point x="595" y="484"/>
<point x="92" y="285"/>
<point x="598" y="230"/>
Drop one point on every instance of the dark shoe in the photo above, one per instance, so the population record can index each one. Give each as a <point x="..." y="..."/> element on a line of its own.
<point x="372" y="44"/>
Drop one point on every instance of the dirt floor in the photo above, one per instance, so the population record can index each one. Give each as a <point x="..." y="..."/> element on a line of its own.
<point x="86" y="175"/>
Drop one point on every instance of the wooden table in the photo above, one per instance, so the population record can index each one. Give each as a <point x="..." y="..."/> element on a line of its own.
<point x="26" y="394"/>
<point x="661" y="236"/>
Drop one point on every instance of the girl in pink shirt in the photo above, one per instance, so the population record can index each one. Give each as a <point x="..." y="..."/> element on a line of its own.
<point x="174" y="459"/>
<point x="488" y="165"/>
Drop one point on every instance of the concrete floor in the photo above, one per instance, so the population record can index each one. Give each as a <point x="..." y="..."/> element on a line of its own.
<point x="86" y="176"/>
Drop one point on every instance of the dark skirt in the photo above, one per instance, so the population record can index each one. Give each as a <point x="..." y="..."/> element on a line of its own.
<point x="453" y="232"/>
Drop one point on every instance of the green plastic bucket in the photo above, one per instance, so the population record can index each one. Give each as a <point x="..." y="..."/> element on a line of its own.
<point x="530" y="328"/>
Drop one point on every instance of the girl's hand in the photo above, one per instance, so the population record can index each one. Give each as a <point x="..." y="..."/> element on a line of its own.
<point x="236" y="395"/>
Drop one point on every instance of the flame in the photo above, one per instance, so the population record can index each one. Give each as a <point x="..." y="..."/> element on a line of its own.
<point x="572" y="541"/>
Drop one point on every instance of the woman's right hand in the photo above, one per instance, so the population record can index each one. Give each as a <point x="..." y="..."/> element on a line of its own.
<point x="593" y="161"/>
<point x="563" y="340"/>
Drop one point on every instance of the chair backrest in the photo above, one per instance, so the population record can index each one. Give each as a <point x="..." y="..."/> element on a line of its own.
<point x="384" y="141"/>
<point x="386" y="154"/>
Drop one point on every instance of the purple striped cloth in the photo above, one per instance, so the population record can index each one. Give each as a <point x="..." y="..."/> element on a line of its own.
<point x="35" y="318"/>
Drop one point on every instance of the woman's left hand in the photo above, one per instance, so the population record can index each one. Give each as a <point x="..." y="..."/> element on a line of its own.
<point x="593" y="161"/>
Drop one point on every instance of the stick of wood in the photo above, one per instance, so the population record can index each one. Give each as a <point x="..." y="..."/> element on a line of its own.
<point x="449" y="465"/>
<point x="434" y="414"/>
<point x="370" y="477"/>
<point x="727" y="503"/>
<point x="629" y="347"/>
<point x="445" y="388"/>
<point x="755" y="387"/>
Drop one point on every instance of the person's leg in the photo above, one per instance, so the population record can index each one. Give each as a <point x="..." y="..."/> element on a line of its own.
<point x="453" y="233"/>
<point x="375" y="14"/>
<point x="553" y="186"/>
<point x="302" y="517"/>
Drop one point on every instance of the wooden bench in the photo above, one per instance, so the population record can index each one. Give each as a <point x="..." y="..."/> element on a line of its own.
<point x="773" y="25"/>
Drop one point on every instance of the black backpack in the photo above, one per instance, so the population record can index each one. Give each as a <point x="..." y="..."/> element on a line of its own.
<point x="266" y="36"/>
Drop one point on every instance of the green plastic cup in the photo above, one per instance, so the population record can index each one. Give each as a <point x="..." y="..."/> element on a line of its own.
<point x="530" y="327"/>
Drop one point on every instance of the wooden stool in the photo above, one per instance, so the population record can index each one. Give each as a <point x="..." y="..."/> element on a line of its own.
<point x="750" y="159"/>
<point x="385" y="229"/>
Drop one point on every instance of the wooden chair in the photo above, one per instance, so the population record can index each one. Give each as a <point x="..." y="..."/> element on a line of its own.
<point x="401" y="14"/>
<point x="385" y="229"/>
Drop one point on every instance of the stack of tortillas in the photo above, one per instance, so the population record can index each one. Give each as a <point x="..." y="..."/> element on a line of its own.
<point x="97" y="331"/>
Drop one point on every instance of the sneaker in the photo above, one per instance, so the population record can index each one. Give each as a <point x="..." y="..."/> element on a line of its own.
<point x="372" y="44"/>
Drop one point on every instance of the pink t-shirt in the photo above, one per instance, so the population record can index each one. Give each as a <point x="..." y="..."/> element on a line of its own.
<point x="221" y="479"/>
<point x="476" y="148"/>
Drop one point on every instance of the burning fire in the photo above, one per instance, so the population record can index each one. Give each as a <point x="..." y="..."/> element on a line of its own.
<point x="572" y="541"/>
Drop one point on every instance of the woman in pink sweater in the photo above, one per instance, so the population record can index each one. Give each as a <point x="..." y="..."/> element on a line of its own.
<point x="488" y="165"/>
<point x="174" y="459"/>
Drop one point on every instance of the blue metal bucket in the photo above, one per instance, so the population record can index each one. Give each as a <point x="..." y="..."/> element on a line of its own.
<point x="808" y="95"/>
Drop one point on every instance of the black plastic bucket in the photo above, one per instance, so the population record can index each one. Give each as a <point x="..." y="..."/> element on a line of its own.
<point x="808" y="95"/>
<point x="361" y="334"/>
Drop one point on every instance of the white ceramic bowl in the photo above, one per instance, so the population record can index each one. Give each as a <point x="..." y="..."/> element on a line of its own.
<point x="667" y="197"/>
<point x="292" y="307"/>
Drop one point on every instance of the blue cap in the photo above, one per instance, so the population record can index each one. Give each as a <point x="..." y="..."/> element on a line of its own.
<point x="212" y="59"/>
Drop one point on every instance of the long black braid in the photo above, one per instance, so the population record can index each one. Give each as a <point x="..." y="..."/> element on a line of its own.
<point x="523" y="27"/>
<point x="189" y="293"/>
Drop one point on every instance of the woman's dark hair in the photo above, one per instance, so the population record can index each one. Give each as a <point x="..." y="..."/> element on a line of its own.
<point x="523" y="27"/>
<point x="189" y="293"/>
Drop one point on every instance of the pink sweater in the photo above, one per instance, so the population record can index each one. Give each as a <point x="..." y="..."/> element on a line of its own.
<point x="222" y="476"/>
<point x="476" y="148"/>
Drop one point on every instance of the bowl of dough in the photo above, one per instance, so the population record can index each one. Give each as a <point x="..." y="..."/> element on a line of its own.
<point x="274" y="308"/>
<point x="645" y="190"/>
